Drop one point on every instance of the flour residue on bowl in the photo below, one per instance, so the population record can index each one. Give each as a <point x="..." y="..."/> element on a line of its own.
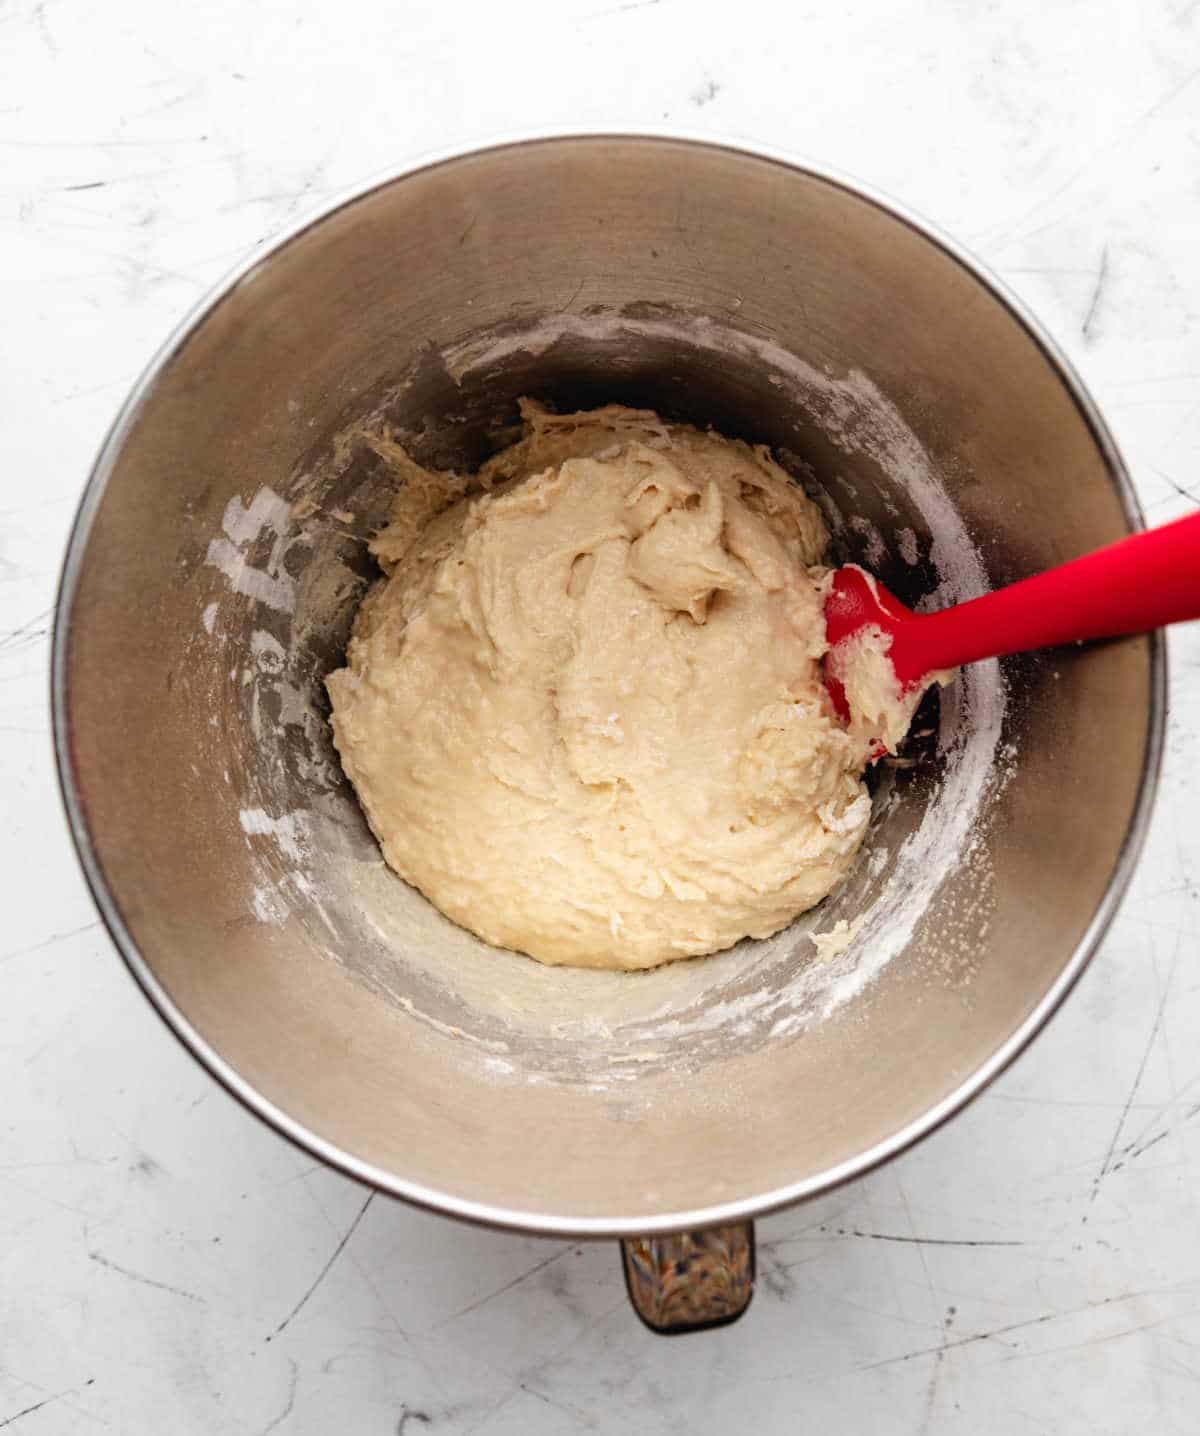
<point x="293" y="570"/>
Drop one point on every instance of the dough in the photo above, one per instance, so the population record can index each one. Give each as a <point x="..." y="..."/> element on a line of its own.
<point x="881" y="711"/>
<point x="583" y="710"/>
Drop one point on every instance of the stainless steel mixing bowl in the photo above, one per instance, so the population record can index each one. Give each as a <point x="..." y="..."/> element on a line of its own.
<point x="218" y="555"/>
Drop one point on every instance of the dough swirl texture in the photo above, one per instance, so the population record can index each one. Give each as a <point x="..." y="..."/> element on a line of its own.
<point x="583" y="709"/>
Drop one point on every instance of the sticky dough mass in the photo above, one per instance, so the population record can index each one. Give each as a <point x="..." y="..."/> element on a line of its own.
<point x="583" y="710"/>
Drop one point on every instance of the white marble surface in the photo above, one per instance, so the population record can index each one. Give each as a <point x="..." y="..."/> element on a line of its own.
<point x="167" y="1264"/>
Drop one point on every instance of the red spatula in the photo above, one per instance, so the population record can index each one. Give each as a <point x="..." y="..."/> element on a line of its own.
<point x="1145" y="581"/>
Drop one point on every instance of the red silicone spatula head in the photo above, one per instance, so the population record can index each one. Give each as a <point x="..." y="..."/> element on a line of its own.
<point x="857" y="601"/>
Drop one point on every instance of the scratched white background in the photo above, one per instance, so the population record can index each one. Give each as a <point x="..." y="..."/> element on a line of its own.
<point x="168" y="1265"/>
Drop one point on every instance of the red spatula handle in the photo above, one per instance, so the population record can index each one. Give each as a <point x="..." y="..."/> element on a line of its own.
<point x="1145" y="581"/>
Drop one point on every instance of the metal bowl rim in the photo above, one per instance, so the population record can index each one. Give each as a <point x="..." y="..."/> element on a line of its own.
<point x="489" y="1214"/>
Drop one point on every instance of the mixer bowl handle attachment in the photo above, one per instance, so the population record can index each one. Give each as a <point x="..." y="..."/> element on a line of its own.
<point x="691" y="1280"/>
